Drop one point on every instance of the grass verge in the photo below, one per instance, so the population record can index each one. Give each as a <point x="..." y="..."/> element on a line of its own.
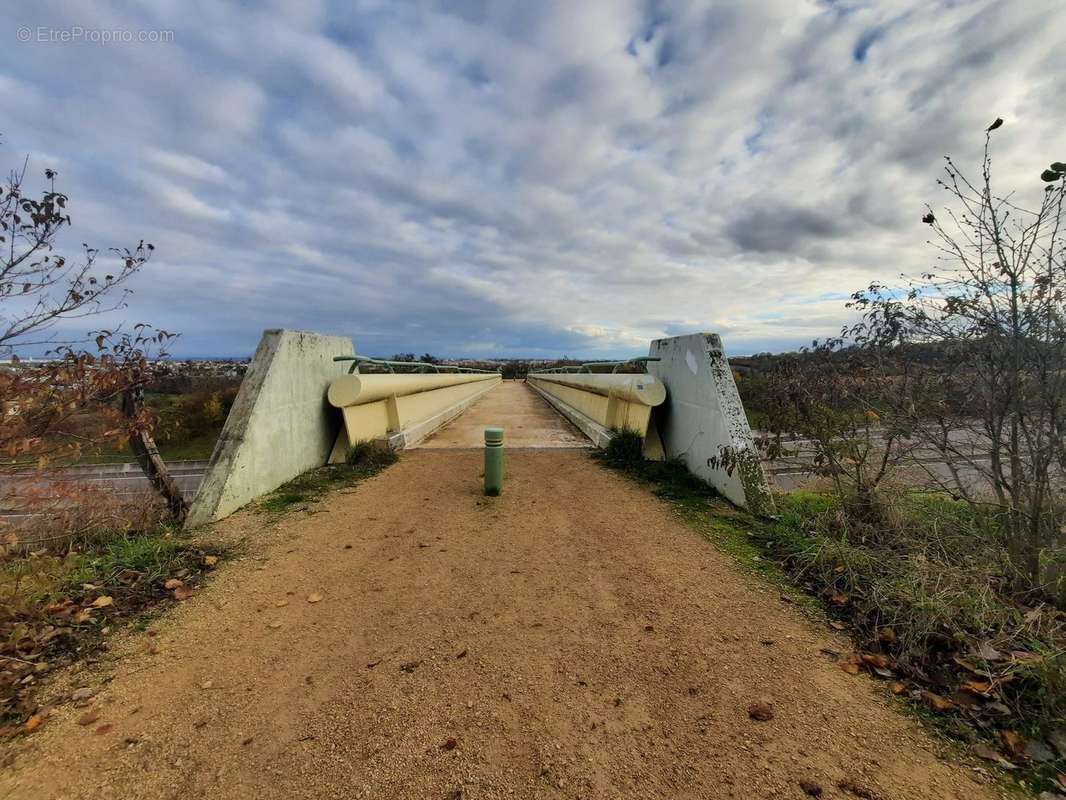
<point x="364" y="461"/>
<point x="924" y="599"/>
<point x="58" y="608"/>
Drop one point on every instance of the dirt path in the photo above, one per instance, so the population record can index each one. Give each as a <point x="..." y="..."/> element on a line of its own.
<point x="568" y="639"/>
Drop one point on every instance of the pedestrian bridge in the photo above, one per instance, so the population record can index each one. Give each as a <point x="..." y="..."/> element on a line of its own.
<point x="307" y="399"/>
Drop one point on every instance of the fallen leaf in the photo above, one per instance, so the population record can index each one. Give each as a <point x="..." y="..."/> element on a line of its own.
<point x="314" y="597"/>
<point x="173" y="583"/>
<point x="935" y="701"/>
<point x="970" y="667"/>
<point x="82" y="616"/>
<point x="1014" y="743"/>
<point x="986" y="651"/>
<point x="207" y="684"/>
<point x="839" y="599"/>
<point x="876" y="660"/>
<point x="887" y="635"/>
<point x="849" y="667"/>
<point x="982" y="750"/>
<point x="182" y="593"/>
<point x="248" y="740"/>
<point x="1025" y="657"/>
<point x="104" y="729"/>
<point x="88" y="718"/>
<point x="84" y="693"/>
<point x="897" y="687"/>
<point x="760" y="712"/>
<point x="33" y="722"/>
<point x="281" y="604"/>
<point x="275" y="625"/>
<point x="103" y="601"/>
<point x="210" y="561"/>
<point x="978" y="687"/>
<point x="837" y="625"/>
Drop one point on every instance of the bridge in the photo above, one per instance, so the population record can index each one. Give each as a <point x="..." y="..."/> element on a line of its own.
<point x="307" y="398"/>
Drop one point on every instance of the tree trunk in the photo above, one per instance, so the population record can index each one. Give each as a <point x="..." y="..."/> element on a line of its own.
<point x="143" y="446"/>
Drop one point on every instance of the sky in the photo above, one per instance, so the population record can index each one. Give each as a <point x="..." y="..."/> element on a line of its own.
<point x="492" y="178"/>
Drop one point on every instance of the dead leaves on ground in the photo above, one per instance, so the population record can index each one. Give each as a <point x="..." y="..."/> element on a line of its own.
<point x="38" y="636"/>
<point x="977" y="694"/>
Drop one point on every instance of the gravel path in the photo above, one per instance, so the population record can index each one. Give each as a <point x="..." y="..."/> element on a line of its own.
<point x="569" y="639"/>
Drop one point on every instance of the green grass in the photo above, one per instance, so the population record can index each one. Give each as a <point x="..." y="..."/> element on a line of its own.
<point x="43" y="593"/>
<point x="156" y="556"/>
<point x="364" y="461"/>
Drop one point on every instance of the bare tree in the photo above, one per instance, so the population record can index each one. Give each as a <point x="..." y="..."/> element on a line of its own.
<point x="40" y="292"/>
<point x="979" y="348"/>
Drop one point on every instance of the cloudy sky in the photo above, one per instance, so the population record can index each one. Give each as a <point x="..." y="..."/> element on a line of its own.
<point x="521" y="178"/>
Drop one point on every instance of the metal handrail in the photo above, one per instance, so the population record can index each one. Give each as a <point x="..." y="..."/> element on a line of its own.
<point x="587" y="367"/>
<point x="358" y="360"/>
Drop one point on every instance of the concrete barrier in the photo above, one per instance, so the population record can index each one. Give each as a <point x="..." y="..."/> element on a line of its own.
<point x="280" y="425"/>
<point x="600" y="405"/>
<point x="703" y="421"/>
<point x="401" y="409"/>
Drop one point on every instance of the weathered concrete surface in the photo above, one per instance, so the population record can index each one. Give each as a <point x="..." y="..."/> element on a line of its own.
<point x="702" y="421"/>
<point x="280" y="425"/>
<point x="527" y="421"/>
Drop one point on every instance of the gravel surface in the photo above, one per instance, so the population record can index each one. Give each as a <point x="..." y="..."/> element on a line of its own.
<point x="571" y="638"/>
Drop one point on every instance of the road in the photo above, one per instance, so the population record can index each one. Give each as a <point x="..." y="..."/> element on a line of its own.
<point x="572" y="638"/>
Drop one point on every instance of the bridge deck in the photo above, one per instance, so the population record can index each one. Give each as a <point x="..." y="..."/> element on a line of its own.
<point x="526" y="419"/>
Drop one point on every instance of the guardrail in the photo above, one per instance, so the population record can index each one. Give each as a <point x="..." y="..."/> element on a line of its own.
<point x="602" y="404"/>
<point x="587" y="367"/>
<point x="401" y="408"/>
<point x="390" y="365"/>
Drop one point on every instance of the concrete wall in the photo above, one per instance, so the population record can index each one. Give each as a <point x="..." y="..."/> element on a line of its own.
<point x="702" y="421"/>
<point x="280" y="425"/>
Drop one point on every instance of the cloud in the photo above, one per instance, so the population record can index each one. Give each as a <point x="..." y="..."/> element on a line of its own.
<point x="524" y="178"/>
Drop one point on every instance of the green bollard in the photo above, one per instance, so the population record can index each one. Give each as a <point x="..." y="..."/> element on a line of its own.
<point x="493" y="461"/>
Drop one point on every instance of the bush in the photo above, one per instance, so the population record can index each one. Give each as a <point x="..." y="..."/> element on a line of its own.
<point x="625" y="450"/>
<point x="374" y="455"/>
<point x="929" y="588"/>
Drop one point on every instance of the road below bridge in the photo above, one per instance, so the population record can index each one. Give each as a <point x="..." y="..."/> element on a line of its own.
<point x="572" y="638"/>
